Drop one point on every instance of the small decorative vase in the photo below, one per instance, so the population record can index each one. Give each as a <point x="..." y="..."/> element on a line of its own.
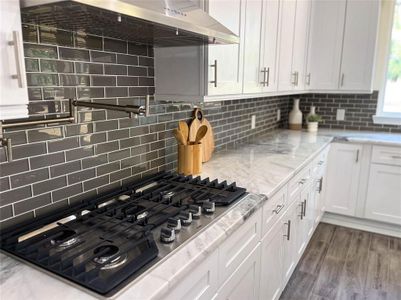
<point x="311" y="112"/>
<point x="295" y="117"/>
<point x="312" y="126"/>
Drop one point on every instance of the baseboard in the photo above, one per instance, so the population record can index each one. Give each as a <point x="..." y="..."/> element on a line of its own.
<point x="362" y="224"/>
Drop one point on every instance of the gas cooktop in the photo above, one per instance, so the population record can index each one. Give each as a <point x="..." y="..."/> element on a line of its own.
<point x="106" y="242"/>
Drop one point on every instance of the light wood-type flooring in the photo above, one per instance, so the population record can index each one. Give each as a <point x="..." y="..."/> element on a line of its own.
<point x="341" y="263"/>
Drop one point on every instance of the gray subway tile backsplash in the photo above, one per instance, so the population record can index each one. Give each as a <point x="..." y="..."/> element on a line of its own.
<point x="58" y="166"/>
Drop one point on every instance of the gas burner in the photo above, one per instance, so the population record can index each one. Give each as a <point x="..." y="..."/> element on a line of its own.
<point x="105" y="253"/>
<point x="62" y="240"/>
<point x="166" y="196"/>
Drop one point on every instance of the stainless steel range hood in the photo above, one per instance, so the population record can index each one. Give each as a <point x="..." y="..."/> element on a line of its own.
<point x="156" y="22"/>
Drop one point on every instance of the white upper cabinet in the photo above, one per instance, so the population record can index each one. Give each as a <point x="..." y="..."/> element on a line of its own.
<point x="325" y="44"/>
<point x="14" y="93"/>
<point x="226" y="61"/>
<point x="361" y="24"/>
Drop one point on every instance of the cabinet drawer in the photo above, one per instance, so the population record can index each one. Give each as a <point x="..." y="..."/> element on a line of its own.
<point x="234" y="250"/>
<point x="200" y="284"/>
<point x="386" y="155"/>
<point x="297" y="183"/>
<point x="319" y="163"/>
<point x="273" y="209"/>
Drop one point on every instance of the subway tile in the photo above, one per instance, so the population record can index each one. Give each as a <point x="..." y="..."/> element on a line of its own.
<point x="105" y="169"/>
<point x="48" y="35"/>
<point x="109" y="187"/>
<point x="120" y="174"/>
<point x="6" y="212"/>
<point x="139" y="130"/>
<point x="146" y="81"/>
<point x="117" y="134"/>
<point x="74" y="80"/>
<point x="40" y="51"/>
<point x="115" y="45"/>
<point x="13" y="167"/>
<point x="137" y="49"/>
<point x="44" y="107"/>
<point x="79" y="153"/>
<point x="29" y="33"/>
<point x="88" y="68"/>
<point x="130" y="161"/>
<point x="137" y="71"/>
<point x="138" y="91"/>
<point x="146" y="61"/>
<point x="82" y="197"/>
<point x="103" y="57"/>
<point x="127" y="81"/>
<point x="90" y="92"/>
<point x="83" y="40"/>
<point x="106" y="147"/>
<point x="51" y="208"/>
<point x="14" y="195"/>
<point x="151" y="71"/>
<point x="42" y="134"/>
<point x="81" y="176"/>
<point x="94" y="161"/>
<point x="127" y="59"/>
<point x="29" y="177"/>
<point x="37" y="79"/>
<point x="58" y="93"/>
<point x="116" y="92"/>
<point x="18" y="220"/>
<point x="118" y="155"/>
<point x="90" y="116"/>
<point x="128" y="122"/>
<point x="32" y="203"/>
<point x="29" y="150"/>
<point x="4" y="184"/>
<point x="94" y="183"/>
<point x="31" y="65"/>
<point x="103" y="80"/>
<point x="74" y="54"/>
<point x="115" y="69"/>
<point x="49" y="185"/>
<point x="56" y="66"/>
<point x="64" y="144"/>
<point x="92" y="139"/>
<point x="106" y="125"/>
<point x="67" y="192"/>
<point x="130" y="142"/>
<point x="66" y="168"/>
<point x="34" y="94"/>
<point x="79" y="129"/>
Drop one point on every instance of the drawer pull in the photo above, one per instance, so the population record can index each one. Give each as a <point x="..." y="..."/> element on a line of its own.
<point x="302" y="210"/>
<point x="396" y="156"/>
<point x="302" y="181"/>
<point x="288" y="230"/>
<point x="278" y="209"/>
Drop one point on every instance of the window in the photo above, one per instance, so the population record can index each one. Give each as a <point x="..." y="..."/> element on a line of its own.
<point x="389" y="106"/>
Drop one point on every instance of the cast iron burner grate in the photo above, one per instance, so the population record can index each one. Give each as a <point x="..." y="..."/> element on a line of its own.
<point x="103" y="241"/>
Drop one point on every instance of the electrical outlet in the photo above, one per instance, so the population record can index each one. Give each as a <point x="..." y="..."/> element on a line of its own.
<point x="278" y="115"/>
<point x="340" y="116"/>
<point x="253" y="122"/>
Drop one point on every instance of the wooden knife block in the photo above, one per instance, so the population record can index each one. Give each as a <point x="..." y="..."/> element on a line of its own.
<point x="190" y="159"/>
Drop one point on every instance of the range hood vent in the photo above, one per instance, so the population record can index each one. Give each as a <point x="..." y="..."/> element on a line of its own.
<point x="161" y="23"/>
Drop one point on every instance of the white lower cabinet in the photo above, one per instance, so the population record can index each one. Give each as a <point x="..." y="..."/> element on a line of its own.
<point x="383" y="202"/>
<point x="244" y="282"/>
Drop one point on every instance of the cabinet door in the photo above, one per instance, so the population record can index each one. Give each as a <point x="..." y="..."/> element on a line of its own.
<point x="244" y="282"/>
<point x="360" y="33"/>
<point x="272" y="264"/>
<point x="383" y="201"/>
<point x="301" y="30"/>
<point x="286" y="78"/>
<point x="200" y="284"/>
<point x="288" y="223"/>
<point x="14" y="93"/>
<point x="271" y="10"/>
<point x="253" y="75"/>
<point x="342" y="178"/>
<point x="325" y="43"/>
<point x="226" y="77"/>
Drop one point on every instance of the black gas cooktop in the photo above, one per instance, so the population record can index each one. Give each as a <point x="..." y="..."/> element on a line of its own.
<point x="105" y="242"/>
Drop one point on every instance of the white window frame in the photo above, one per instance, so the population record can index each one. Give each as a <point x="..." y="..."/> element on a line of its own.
<point x="386" y="117"/>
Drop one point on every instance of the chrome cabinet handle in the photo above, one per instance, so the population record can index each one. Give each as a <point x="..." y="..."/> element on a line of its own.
<point x="304" y="207"/>
<point x="302" y="181"/>
<point x="215" y="73"/>
<point x="396" y="156"/>
<point x="268" y="76"/>
<point x="264" y="76"/>
<point x="302" y="210"/>
<point x="294" y="78"/>
<point x="18" y="59"/>
<point x="288" y="235"/>
<point x="308" y="79"/>
<point x="342" y="79"/>
<point x="278" y="209"/>
<point x="320" y="185"/>
<point x="357" y="156"/>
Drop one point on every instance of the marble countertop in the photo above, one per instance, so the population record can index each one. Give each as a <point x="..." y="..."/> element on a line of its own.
<point x="262" y="166"/>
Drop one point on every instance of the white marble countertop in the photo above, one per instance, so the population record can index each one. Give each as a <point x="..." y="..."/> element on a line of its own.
<point x="262" y="167"/>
